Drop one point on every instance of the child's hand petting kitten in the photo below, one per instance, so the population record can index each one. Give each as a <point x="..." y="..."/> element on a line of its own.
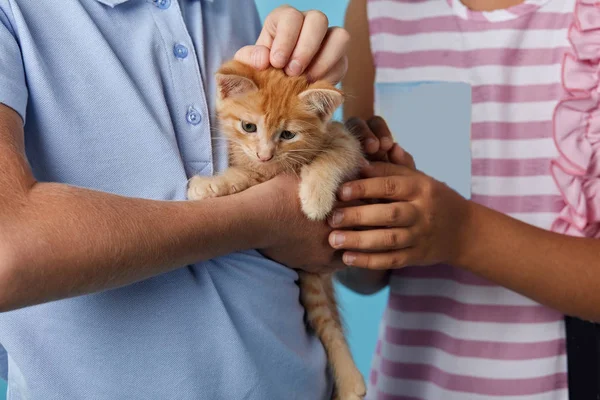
<point x="299" y="42"/>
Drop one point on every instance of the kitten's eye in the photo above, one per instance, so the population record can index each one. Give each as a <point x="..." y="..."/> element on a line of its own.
<point x="287" y="135"/>
<point x="248" y="127"/>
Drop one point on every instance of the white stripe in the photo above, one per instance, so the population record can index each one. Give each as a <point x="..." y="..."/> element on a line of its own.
<point x="513" y="112"/>
<point x="466" y="41"/>
<point x="483" y="75"/>
<point x="514" y="186"/>
<point x="428" y="9"/>
<point x="541" y="220"/>
<point x="470" y="294"/>
<point x="427" y="390"/>
<point x="408" y="11"/>
<point x="468" y="330"/>
<point x="521" y="149"/>
<point x="561" y="6"/>
<point x="476" y="367"/>
<point x="499" y="16"/>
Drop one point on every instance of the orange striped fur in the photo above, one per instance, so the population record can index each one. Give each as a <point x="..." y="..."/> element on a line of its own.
<point x="275" y="124"/>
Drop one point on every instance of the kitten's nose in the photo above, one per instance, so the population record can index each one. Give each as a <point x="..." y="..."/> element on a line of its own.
<point x="264" y="157"/>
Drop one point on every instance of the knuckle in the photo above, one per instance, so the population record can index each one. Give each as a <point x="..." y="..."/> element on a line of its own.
<point x="318" y="16"/>
<point x="397" y="260"/>
<point x="389" y="186"/>
<point x="428" y="187"/>
<point x="354" y="241"/>
<point x="339" y="34"/>
<point x="395" y="214"/>
<point x="355" y="217"/>
<point x="292" y="13"/>
<point x="391" y="239"/>
<point x="359" y="189"/>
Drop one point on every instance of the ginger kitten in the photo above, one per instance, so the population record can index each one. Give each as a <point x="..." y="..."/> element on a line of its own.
<point x="276" y="124"/>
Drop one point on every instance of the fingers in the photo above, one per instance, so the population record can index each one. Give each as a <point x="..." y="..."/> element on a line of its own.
<point x="380" y="261"/>
<point x="309" y="42"/>
<point x="337" y="73"/>
<point x="399" y="214"/>
<point x="359" y="128"/>
<point x="283" y="31"/>
<point x="372" y="240"/>
<point x="333" y="49"/>
<point x="402" y="188"/>
<point x="383" y="133"/>
<point x="302" y="42"/>
<point x="399" y="156"/>
<point x="256" y="56"/>
<point x="382" y="169"/>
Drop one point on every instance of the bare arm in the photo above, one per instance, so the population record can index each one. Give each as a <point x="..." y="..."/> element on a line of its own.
<point x="58" y="241"/>
<point x="429" y="223"/>
<point x="358" y="86"/>
<point x="559" y="271"/>
<point x="360" y="78"/>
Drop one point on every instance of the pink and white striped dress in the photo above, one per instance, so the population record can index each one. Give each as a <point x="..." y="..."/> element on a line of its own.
<point x="447" y="334"/>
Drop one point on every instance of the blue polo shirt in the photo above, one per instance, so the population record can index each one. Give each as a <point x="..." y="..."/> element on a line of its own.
<point x="118" y="96"/>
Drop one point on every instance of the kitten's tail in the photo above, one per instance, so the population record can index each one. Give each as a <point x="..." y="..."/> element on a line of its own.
<point x="318" y="298"/>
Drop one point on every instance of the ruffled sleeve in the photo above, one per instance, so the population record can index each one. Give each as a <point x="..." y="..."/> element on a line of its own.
<point x="577" y="127"/>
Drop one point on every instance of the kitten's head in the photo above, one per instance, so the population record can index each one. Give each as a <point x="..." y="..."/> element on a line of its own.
<point x="273" y="118"/>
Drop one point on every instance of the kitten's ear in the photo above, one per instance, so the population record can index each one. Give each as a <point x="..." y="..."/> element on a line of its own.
<point x="234" y="85"/>
<point x="324" y="102"/>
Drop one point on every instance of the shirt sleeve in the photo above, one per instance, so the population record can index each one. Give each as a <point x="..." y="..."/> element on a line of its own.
<point x="13" y="89"/>
<point x="3" y="364"/>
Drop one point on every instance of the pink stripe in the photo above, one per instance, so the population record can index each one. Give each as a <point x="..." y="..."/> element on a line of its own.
<point x="441" y="272"/>
<point x="510" y="167"/>
<point x="516" y="94"/>
<point x="473" y="312"/>
<point x="397" y="26"/>
<point x="471" y="384"/>
<point x="521" y="204"/>
<point x="373" y="377"/>
<point x="378" y="348"/>
<point x="512" y="130"/>
<point x="468" y="59"/>
<point x="475" y="348"/>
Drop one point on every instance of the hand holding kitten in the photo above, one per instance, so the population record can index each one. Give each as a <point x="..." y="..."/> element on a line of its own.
<point x="417" y="220"/>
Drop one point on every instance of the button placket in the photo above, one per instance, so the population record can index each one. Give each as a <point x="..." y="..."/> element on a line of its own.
<point x="162" y="4"/>
<point x="187" y="99"/>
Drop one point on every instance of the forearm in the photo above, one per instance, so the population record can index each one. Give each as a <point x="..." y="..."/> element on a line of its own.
<point x="559" y="271"/>
<point x="61" y="241"/>
<point x="363" y="281"/>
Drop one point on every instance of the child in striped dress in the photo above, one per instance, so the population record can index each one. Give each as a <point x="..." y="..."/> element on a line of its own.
<point x="479" y="289"/>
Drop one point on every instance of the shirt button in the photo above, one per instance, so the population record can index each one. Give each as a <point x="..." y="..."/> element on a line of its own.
<point x="193" y="117"/>
<point x="162" y="4"/>
<point x="180" y="51"/>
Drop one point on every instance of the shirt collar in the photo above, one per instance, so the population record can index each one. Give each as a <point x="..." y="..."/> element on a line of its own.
<point x="113" y="3"/>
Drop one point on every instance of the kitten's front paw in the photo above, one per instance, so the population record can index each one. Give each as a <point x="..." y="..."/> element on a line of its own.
<point x="317" y="200"/>
<point x="204" y="187"/>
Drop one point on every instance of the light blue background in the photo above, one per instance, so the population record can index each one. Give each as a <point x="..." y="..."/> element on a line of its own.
<point x="408" y="109"/>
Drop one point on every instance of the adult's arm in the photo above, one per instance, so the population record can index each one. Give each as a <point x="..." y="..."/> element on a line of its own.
<point x="59" y="241"/>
